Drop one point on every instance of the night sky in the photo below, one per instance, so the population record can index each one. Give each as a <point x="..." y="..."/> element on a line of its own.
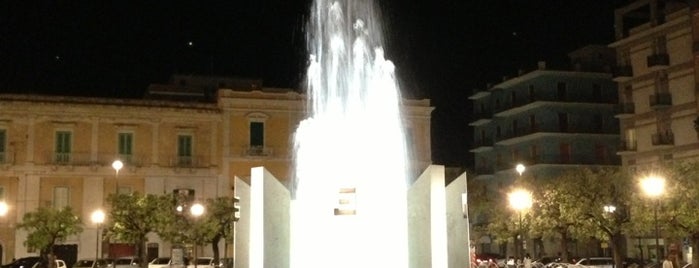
<point x="442" y="49"/>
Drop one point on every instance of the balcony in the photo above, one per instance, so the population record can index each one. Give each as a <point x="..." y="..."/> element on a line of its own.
<point x="257" y="151"/>
<point x="660" y="100"/>
<point x="658" y="61"/>
<point x="622" y="73"/>
<point x="666" y="138"/>
<point x="188" y="161"/>
<point x="482" y="145"/>
<point x="624" y="109"/>
<point x="627" y="147"/>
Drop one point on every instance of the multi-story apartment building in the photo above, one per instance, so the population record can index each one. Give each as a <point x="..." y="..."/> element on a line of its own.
<point x="196" y="135"/>
<point x="656" y="81"/>
<point x="656" y="47"/>
<point x="548" y="120"/>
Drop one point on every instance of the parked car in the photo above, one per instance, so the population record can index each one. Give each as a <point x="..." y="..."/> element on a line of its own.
<point x="25" y="262"/>
<point x="59" y="264"/>
<point x="91" y="263"/>
<point x="162" y="262"/>
<point x="228" y="263"/>
<point x="594" y="262"/>
<point x="126" y="262"/>
<point x="202" y="262"/>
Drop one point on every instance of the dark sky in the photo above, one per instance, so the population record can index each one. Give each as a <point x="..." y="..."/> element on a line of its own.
<point x="442" y="49"/>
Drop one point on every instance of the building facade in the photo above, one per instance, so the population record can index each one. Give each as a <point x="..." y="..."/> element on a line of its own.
<point x="656" y="47"/>
<point x="548" y="120"/>
<point x="185" y="136"/>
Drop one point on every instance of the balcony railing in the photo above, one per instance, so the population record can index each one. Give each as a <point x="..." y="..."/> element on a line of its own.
<point x="659" y="60"/>
<point x="664" y="138"/>
<point x="625" y="108"/>
<point x="627" y="146"/>
<point x="257" y="151"/>
<point x="660" y="100"/>
<point x="485" y="142"/>
<point x="622" y="73"/>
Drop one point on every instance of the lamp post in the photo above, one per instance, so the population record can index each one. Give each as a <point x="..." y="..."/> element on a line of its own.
<point x="97" y="218"/>
<point x="196" y="210"/>
<point x="520" y="200"/>
<point x="520" y="169"/>
<point x="117" y="165"/>
<point x="3" y="209"/>
<point x="654" y="187"/>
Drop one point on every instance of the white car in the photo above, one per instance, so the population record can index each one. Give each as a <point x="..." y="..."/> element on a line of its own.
<point x="202" y="262"/>
<point x="127" y="262"/>
<point x="59" y="264"/>
<point x="594" y="262"/>
<point x="162" y="262"/>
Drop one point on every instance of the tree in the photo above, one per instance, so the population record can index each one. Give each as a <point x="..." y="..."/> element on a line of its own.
<point x="222" y="215"/>
<point x="179" y="226"/>
<point x="133" y="216"/>
<point x="47" y="226"/>
<point x="678" y="216"/>
<point x="579" y="207"/>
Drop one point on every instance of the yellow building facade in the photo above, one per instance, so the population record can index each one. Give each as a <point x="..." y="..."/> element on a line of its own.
<point x="58" y="151"/>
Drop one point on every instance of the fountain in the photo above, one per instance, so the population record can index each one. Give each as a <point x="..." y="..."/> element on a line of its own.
<point x="352" y="201"/>
<point x="349" y="203"/>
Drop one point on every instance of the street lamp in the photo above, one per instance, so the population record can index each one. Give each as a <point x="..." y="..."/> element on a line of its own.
<point x="3" y="208"/>
<point x="97" y="218"/>
<point x="520" y="200"/>
<point x="654" y="187"/>
<point x="196" y="210"/>
<point x="117" y="165"/>
<point x="520" y="169"/>
<point x="609" y="208"/>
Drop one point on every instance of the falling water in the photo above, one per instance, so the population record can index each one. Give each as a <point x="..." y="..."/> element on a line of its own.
<point x="349" y="207"/>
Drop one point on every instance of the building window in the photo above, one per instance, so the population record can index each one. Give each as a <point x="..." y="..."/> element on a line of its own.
<point x="563" y="122"/>
<point x="63" y="147"/>
<point x="61" y="197"/>
<point x="596" y="92"/>
<point x="532" y="95"/>
<point x="601" y="153"/>
<point x="2" y="193"/>
<point x="564" y="151"/>
<point x="534" y="153"/>
<point x="562" y="91"/>
<point x="599" y="123"/>
<point x="184" y="150"/>
<point x="257" y="134"/>
<point x="532" y="123"/>
<point x="125" y="143"/>
<point x="3" y="147"/>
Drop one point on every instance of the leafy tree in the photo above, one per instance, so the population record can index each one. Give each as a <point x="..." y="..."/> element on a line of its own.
<point x="180" y="227"/>
<point x="551" y="219"/>
<point x="678" y="213"/>
<point x="133" y="216"/>
<point x="222" y="215"/>
<point x="580" y="196"/>
<point x="47" y="226"/>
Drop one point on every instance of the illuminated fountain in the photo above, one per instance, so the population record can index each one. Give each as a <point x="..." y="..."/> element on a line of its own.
<point x="349" y="205"/>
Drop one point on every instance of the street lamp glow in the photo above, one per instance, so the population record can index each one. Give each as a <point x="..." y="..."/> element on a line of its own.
<point x="3" y="208"/>
<point x="520" y="169"/>
<point x="609" y="208"/>
<point x="197" y="210"/>
<point x="520" y="199"/>
<point x="653" y="186"/>
<point x="97" y="217"/>
<point x="117" y="165"/>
